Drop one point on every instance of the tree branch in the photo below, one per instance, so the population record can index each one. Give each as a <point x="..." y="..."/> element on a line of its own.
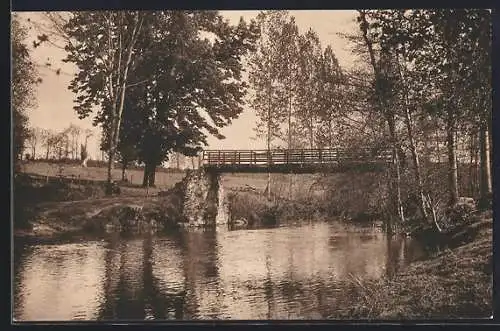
<point x="138" y="83"/>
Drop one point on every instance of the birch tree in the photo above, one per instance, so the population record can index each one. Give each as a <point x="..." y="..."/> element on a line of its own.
<point x="309" y="85"/>
<point x="103" y="47"/>
<point x="264" y="64"/>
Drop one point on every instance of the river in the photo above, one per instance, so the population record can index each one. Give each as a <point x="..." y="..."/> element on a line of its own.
<point x="296" y="272"/>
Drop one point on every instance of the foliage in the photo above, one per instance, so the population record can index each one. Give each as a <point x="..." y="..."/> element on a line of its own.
<point x="428" y="73"/>
<point x="271" y="73"/>
<point x="185" y="86"/>
<point x="23" y="83"/>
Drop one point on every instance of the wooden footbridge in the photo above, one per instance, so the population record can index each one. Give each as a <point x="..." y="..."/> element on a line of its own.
<point x="296" y="160"/>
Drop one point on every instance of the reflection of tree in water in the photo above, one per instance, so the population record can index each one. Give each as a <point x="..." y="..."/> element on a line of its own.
<point x="58" y="281"/>
<point x="298" y="292"/>
<point x="198" y="275"/>
<point x="394" y="244"/>
<point x="158" y="304"/>
<point x="126" y="299"/>
<point x="268" y="289"/>
<point x="21" y="251"/>
<point x="400" y="252"/>
<point x="201" y="271"/>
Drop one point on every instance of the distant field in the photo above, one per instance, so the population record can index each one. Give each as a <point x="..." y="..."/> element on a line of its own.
<point x="163" y="180"/>
<point x="280" y="183"/>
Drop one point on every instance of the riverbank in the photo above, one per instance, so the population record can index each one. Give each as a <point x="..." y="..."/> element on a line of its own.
<point x="456" y="282"/>
<point x="45" y="210"/>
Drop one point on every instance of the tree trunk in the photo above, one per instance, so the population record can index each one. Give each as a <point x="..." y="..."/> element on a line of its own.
<point x="427" y="159"/>
<point x="118" y="109"/>
<point x="311" y="133"/>
<point x="489" y="136"/>
<point x="111" y="152"/>
<point x="485" y="170"/>
<point x="149" y="174"/>
<point x="124" y="168"/>
<point x="152" y="176"/>
<point x="290" y="183"/>
<point x="452" y="159"/>
<point x="396" y="173"/>
<point x="438" y="149"/>
<point x="471" y="164"/>
<point x="268" y="188"/>
<point x="413" y="147"/>
<point x="47" y="154"/>
<point x="145" y="178"/>
<point x="395" y="179"/>
<point x="416" y="164"/>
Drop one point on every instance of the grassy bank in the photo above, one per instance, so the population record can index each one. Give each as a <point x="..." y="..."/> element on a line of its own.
<point x="48" y="209"/>
<point x="92" y="216"/>
<point x="454" y="283"/>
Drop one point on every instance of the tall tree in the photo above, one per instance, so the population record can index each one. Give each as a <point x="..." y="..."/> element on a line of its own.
<point x="74" y="133"/>
<point x="330" y="98"/>
<point x="103" y="47"/>
<point x="192" y="84"/>
<point x="383" y="70"/>
<point x="23" y="84"/>
<point x="394" y="29"/>
<point x="308" y="85"/>
<point x="454" y="49"/>
<point x="272" y="78"/>
<point x="287" y="38"/>
<point x="34" y="139"/>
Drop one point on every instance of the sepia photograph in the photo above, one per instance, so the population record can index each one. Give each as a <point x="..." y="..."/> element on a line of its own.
<point x="194" y="165"/>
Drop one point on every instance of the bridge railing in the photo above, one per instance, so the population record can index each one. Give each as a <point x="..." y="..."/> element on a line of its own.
<point x="295" y="156"/>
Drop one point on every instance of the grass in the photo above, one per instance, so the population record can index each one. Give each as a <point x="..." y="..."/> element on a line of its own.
<point x="163" y="179"/>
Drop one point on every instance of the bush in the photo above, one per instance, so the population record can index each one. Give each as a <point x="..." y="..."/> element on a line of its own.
<point x="460" y="214"/>
<point x="356" y="194"/>
<point x="254" y="208"/>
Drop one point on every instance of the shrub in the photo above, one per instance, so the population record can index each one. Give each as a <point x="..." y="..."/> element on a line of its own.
<point x="460" y="214"/>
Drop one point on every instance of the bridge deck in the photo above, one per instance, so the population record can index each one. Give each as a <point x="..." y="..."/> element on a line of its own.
<point x="295" y="161"/>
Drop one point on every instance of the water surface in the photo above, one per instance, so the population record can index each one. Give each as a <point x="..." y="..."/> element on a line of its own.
<point x="301" y="272"/>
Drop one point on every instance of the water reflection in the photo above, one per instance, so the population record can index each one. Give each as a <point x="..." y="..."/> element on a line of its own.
<point x="399" y="252"/>
<point x="280" y="273"/>
<point x="53" y="278"/>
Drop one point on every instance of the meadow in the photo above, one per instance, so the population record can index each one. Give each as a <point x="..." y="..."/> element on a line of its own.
<point x="301" y="184"/>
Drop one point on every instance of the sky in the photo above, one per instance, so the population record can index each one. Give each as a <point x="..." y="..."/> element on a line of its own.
<point x="55" y="102"/>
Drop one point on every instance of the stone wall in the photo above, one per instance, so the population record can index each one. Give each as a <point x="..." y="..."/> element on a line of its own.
<point x="204" y="199"/>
